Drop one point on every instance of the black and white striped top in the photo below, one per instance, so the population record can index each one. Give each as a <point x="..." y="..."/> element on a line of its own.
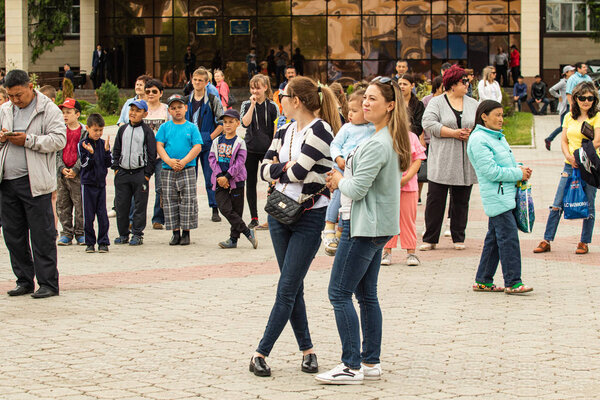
<point x="310" y="167"/>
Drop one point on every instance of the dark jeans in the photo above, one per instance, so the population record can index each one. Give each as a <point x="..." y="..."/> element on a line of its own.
<point x="558" y="130"/>
<point x="295" y="247"/>
<point x="253" y="161"/>
<point x="501" y="245"/>
<point x="131" y="185"/>
<point x="231" y="205"/>
<point x="436" y="205"/>
<point x="531" y="103"/>
<point x="28" y="227"/>
<point x="355" y="271"/>
<point x="94" y="204"/>
<point x="159" y="215"/>
<point x="502" y="75"/>
<point x="202" y="160"/>
<point x="515" y="72"/>
<point x="520" y="101"/>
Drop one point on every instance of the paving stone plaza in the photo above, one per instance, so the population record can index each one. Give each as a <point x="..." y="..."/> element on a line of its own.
<point x="161" y="322"/>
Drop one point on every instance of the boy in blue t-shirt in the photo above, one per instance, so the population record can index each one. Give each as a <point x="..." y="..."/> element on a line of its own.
<point x="178" y="143"/>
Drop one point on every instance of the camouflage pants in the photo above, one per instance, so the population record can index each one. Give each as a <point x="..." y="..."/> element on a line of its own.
<point x="69" y="199"/>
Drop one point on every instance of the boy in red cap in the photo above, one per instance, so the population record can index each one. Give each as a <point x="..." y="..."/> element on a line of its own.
<point x="69" y="182"/>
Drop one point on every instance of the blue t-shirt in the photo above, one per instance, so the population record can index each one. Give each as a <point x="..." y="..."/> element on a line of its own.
<point x="179" y="140"/>
<point x="225" y="150"/>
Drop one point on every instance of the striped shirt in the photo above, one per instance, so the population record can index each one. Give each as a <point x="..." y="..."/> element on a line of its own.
<point x="310" y="167"/>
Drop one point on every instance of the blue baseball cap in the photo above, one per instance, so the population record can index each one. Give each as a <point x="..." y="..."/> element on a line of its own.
<point x="230" y="113"/>
<point x="141" y="104"/>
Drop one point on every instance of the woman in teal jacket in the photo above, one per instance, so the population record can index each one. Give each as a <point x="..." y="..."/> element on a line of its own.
<point x="497" y="173"/>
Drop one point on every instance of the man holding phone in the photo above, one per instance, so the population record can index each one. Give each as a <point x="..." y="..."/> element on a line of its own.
<point x="32" y="131"/>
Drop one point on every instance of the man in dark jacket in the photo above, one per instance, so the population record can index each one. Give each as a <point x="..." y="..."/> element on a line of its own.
<point x="538" y="95"/>
<point x="190" y="63"/>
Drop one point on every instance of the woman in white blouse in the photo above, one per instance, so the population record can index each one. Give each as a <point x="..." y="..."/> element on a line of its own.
<point x="488" y="87"/>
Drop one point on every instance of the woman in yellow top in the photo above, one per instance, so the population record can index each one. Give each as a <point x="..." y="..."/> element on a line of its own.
<point x="585" y="108"/>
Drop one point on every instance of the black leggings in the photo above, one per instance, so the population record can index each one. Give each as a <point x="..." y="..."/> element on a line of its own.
<point x="253" y="161"/>
<point x="435" y="207"/>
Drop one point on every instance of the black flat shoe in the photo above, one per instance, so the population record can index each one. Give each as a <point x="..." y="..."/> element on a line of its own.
<point x="20" y="291"/>
<point x="259" y="366"/>
<point x="309" y="363"/>
<point x="44" y="292"/>
<point x="185" y="239"/>
<point x="175" y="239"/>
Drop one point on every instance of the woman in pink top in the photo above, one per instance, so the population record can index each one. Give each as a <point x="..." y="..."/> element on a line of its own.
<point x="408" y="208"/>
<point x="223" y="88"/>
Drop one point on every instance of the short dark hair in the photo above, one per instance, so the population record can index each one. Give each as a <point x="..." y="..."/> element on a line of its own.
<point x="69" y="65"/>
<point x="154" y="83"/>
<point x="579" y="64"/>
<point x="520" y="77"/>
<point x="402" y="60"/>
<point x="446" y="66"/>
<point x="537" y="76"/>
<point x="436" y="83"/>
<point x="290" y="67"/>
<point x="485" y="107"/>
<point x="16" y="77"/>
<point x="95" y="119"/>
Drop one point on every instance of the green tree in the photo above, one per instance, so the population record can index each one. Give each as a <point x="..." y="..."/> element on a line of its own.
<point x="48" y="21"/>
<point x="594" y="7"/>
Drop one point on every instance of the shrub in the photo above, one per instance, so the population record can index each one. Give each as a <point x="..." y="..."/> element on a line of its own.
<point x="68" y="89"/>
<point x="508" y="105"/>
<point x="422" y="89"/>
<point x="60" y="98"/>
<point x="108" y="97"/>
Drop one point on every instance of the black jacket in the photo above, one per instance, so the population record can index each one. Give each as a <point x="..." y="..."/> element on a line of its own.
<point x="589" y="163"/>
<point x="150" y="145"/>
<point x="94" y="167"/>
<point x="538" y="90"/>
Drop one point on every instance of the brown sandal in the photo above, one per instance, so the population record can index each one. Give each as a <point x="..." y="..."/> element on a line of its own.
<point x="582" y="248"/>
<point x="480" y="287"/>
<point x="543" y="247"/>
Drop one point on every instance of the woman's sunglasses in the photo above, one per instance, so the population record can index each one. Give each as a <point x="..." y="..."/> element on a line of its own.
<point x="584" y="98"/>
<point x="465" y="81"/>
<point x="386" y="80"/>
<point x="152" y="91"/>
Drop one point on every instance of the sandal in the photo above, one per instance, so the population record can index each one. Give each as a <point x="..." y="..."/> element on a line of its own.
<point x="489" y="287"/>
<point x="519" y="288"/>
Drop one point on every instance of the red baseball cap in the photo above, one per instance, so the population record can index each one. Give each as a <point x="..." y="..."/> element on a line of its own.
<point x="70" y="103"/>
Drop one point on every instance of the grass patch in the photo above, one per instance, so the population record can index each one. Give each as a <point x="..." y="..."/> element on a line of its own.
<point x="517" y="128"/>
<point x="109" y="119"/>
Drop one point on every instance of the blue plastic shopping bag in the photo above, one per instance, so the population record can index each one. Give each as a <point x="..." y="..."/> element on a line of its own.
<point x="524" y="211"/>
<point x="575" y="202"/>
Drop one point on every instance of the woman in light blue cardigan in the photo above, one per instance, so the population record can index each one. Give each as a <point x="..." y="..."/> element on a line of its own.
<point x="370" y="208"/>
<point x="498" y="174"/>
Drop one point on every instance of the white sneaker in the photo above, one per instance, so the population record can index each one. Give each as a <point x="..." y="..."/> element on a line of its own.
<point x="413" y="261"/>
<point x="112" y="214"/>
<point x="447" y="233"/>
<point x="459" y="246"/>
<point x="331" y="244"/>
<point x="386" y="259"/>
<point x="341" y="375"/>
<point x="427" y="246"/>
<point x="371" y="373"/>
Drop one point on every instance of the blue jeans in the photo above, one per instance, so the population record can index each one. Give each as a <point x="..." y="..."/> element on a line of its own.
<point x="295" y="247"/>
<point x="559" y="129"/>
<point x="521" y="100"/>
<point x="501" y="245"/>
<point x="355" y="271"/>
<point x="207" y="172"/>
<point x="556" y="209"/>
<point x="159" y="215"/>
<point x="545" y="101"/>
<point x="333" y="209"/>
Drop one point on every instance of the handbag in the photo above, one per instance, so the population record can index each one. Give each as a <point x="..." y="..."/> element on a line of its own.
<point x="575" y="202"/>
<point x="587" y="130"/>
<point x="524" y="212"/>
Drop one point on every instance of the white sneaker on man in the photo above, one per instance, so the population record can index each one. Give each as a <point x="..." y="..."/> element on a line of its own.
<point x="341" y="375"/>
<point x="371" y="373"/>
<point x="112" y="214"/>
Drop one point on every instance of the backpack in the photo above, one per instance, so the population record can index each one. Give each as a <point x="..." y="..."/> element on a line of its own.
<point x="232" y="100"/>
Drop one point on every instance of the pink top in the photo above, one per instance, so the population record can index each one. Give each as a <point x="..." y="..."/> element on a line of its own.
<point x="417" y="152"/>
<point x="223" y="89"/>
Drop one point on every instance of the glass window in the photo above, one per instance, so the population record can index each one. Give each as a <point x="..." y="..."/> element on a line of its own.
<point x="163" y="26"/>
<point x="181" y="37"/>
<point x="488" y="6"/>
<point x="310" y="34"/>
<point x="204" y="45"/>
<point x="439" y="33"/>
<point x="141" y="8"/>
<point x="514" y="6"/>
<point x="180" y="8"/>
<point x="308" y="7"/>
<point x="566" y="17"/>
<point x="239" y="7"/>
<point x="414" y="32"/>
<point x="552" y="17"/>
<point x="421" y="69"/>
<point x="457" y="7"/>
<point x="457" y="23"/>
<point x="438" y="7"/>
<point x="414" y="7"/>
<point x="337" y="69"/>
<point x="515" y="22"/>
<point x="580" y="17"/>
<point x="343" y="38"/>
<point x="131" y="26"/>
<point x="497" y="42"/>
<point x="272" y="32"/>
<point x="343" y="7"/>
<point x="106" y="8"/>
<point x="457" y="46"/>
<point x="273" y="7"/>
<point x="378" y="6"/>
<point x="379" y="37"/>
<point x="163" y="8"/>
<point x="488" y="23"/>
<point x="316" y="70"/>
<point x="202" y="8"/>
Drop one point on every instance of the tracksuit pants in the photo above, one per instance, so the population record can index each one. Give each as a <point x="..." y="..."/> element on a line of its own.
<point x="94" y="206"/>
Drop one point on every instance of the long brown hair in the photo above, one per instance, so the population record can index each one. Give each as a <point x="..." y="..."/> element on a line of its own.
<point x="580" y="89"/>
<point x="397" y="123"/>
<point x="338" y="91"/>
<point x="316" y="98"/>
<point x="260" y="79"/>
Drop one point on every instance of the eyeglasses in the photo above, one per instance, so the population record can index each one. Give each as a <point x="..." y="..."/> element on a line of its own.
<point x="465" y="81"/>
<point x="152" y="91"/>
<point x="282" y="95"/>
<point x="584" y="98"/>
<point x="493" y="72"/>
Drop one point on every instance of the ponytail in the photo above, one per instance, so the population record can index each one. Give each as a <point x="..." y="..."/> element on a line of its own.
<point x="329" y="110"/>
<point x="316" y="98"/>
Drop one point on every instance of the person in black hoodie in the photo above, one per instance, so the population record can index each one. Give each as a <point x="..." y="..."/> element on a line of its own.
<point x="95" y="157"/>
<point x="134" y="155"/>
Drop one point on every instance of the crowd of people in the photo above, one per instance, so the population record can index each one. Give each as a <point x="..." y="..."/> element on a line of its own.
<point x="345" y="171"/>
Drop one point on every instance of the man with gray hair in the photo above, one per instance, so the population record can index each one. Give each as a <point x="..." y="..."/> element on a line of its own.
<point x="33" y="130"/>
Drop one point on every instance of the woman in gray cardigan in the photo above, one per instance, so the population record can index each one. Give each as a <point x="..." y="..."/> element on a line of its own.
<point x="449" y="119"/>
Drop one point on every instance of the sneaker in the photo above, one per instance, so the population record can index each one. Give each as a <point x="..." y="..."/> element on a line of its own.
<point x="64" y="241"/>
<point x="341" y="375"/>
<point x="447" y="233"/>
<point x="419" y="203"/>
<point x="253" y="224"/>
<point x="371" y="373"/>
<point x="90" y="249"/>
<point x="215" y="215"/>
<point x="427" y="246"/>
<point x="412" y="260"/>
<point x="252" y="238"/>
<point x="459" y="246"/>
<point x="122" y="240"/>
<point x="386" y="259"/>
<point x="81" y="240"/>
<point x="102" y="248"/>
<point x="112" y="214"/>
<point x="228" y="244"/>
<point x="136" y="240"/>
<point x="548" y="144"/>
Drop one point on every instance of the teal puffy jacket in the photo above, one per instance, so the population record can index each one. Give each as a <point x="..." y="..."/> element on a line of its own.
<point x="496" y="170"/>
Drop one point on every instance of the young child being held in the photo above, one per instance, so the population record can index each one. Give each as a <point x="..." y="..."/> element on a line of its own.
<point x="409" y="198"/>
<point x="227" y="159"/>
<point x="352" y="134"/>
<point x="178" y="143"/>
<point x="95" y="157"/>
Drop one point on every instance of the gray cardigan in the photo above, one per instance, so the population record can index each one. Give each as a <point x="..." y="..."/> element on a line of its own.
<point x="447" y="160"/>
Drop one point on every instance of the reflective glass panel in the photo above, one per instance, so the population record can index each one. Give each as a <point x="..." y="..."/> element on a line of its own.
<point x="457" y="46"/>
<point x="106" y="9"/>
<point x="413" y="6"/>
<point x="140" y="8"/>
<point x="421" y="69"/>
<point x="308" y="7"/>
<point x="316" y="70"/>
<point x="180" y="8"/>
<point x="273" y="7"/>
<point x="343" y="37"/>
<point x="414" y="32"/>
<point x="514" y="6"/>
<point x="379" y="37"/>
<point x="182" y="36"/>
<point x="163" y="8"/>
<point x="439" y="34"/>
<point x="310" y="34"/>
<point x="515" y="22"/>
<point x="580" y="17"/>
<point x="379" y="7"/>
<point x="236" y="74"/>
<point x="552" y="17"/>
<point x="343" y="7"/>
<point x="372" y="69"/>
<point x="457" y="6"/>
<point x="272" y="32"/>
<point x="237" y="46"/>
<point x="163" y="26"/>
<point x="438" y="7"/>
<point x="457" y="23"/>
<point x="337" y="69"/>
<point x="488" y="23"/>
<point x="204" y="45"/>
<point x="239" y="7"/>
<point x="201" y="8"/>
<point x="566" y="17"/>
<point x="488" y="6"/>
<point x="498" y="42"/>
